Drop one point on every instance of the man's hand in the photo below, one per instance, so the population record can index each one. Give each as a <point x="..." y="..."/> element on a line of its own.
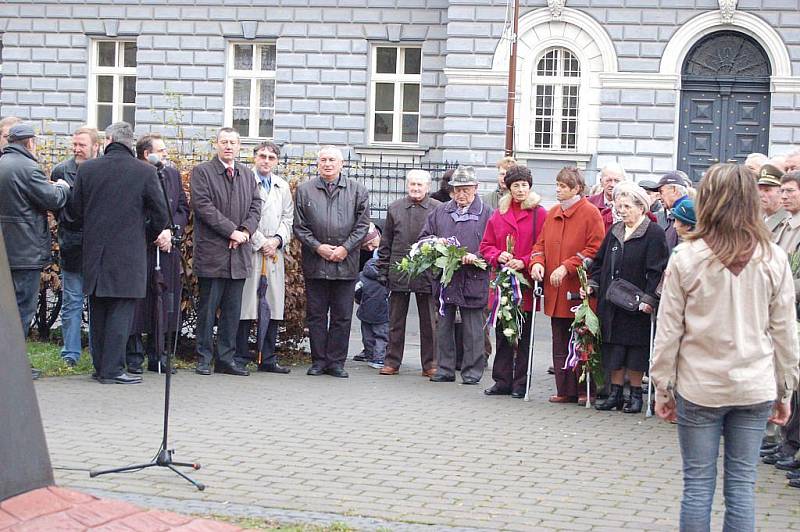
<point x="537" y="272"/>
<point x="164" y="241"/>
<point x="237" y="238"/>
<point x="666" y="410"/>
<point x="781" y="413"/>
<point x="325" y="251"/>
<point x="469" y="258"/>
<point x="339" y="254"/>
<point x="558" y="276"/>
<point x="63" y="183"/>
<point x="270" y="247"/>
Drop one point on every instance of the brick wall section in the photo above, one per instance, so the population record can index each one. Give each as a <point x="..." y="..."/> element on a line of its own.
<point x="322" y="62"/>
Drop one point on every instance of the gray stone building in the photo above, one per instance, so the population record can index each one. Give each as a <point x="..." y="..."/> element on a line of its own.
<point x="652" y="84"/>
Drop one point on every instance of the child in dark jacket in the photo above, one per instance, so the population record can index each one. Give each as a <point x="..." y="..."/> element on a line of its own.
<point x="373" y="311"/>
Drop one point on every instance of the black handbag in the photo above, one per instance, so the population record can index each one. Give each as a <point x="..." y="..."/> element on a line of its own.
<point x="620" y="292"/>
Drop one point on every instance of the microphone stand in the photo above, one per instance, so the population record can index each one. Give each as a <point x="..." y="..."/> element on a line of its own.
<point x="163" y="457"/>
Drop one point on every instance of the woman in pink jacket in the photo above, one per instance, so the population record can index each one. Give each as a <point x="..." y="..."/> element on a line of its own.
<point x="520" y="217"/>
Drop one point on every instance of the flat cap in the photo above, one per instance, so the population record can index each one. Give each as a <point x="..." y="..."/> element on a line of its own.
<point x="649" y="185"/>
<point x="20" y="132"/>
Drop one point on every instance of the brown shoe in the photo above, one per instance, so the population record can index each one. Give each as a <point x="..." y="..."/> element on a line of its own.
<point x="562" y="399"/>
<point x="387" y="370"/>
<point x="429" y="372"/>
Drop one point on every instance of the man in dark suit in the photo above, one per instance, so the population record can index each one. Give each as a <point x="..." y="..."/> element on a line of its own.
<point x="112" y="199"/>
<point x="227" y="209"/>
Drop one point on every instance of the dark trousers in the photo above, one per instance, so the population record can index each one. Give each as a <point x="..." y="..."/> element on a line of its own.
<point x="510" y="369"/>
<point x="329" y="311"/>
<point x="225" y="295"/>
<point x="110" y="320"/>
<point x="398" y="312"/>
<point x="375" y="337"/>
<point x="136" y="349"/>
<point x="566" y="379"/>
<point x="268" y="357"/>
<point x="791" y="431"/>
<point x="474" y="361"/>
<point x="26" y="290"/>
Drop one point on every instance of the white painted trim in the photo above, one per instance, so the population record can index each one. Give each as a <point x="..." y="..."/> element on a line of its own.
<point x="639" y="80"/>
<point x="475" y="76"/>
<point x="695" y="29"/>
<point x="539" y="17"/>
<point x="790" y="84"/>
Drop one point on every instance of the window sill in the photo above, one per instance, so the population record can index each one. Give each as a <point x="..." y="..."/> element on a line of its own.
<point x="401" y="153"/>
<point x="579" y="158"/>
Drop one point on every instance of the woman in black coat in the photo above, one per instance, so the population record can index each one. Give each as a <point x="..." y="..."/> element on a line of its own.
<point x="636" y="250"/>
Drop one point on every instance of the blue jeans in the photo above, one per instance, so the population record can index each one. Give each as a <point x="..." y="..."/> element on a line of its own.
<point x="71" y="314"/>
<point x="699" y="432"/>
<point x="26" y="290"/>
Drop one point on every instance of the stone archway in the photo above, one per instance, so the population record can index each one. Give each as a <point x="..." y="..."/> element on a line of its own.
<point x="725" y="101"/>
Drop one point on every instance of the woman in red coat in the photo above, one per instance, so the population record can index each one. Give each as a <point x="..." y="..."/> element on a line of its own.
<point x="519" y="216"/>
<point x="573" y="231"/>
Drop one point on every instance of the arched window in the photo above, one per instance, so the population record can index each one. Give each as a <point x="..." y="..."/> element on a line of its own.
<point x="556" y="82"/>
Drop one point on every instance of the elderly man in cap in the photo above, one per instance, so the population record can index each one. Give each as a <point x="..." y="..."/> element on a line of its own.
<point x="5" y="125"/>
<point x="25" y="197"/>
<point x="610" y="176"/>
<point x="672" y="187"/>
<point x="769" y="189"/>
<point x="464" y="217"/>
<point x="404" y="221"/>
<point x="656" y="206"/>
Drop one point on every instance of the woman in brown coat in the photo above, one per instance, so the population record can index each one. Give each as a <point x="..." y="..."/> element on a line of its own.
<point x="573" y="231"/>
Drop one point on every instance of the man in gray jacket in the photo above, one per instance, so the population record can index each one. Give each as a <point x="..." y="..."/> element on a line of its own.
<point x="25" y="197"/>
<point x="331" y="218"/>
<point x="227" y="208"/>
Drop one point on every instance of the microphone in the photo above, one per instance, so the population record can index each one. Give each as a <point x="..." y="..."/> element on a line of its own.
<point x="155" y="160"/>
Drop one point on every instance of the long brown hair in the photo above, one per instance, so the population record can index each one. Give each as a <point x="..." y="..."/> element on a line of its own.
<point x="728" y="213"/>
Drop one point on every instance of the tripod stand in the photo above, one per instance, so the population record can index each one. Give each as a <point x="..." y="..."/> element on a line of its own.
<point x="163" y="457"/>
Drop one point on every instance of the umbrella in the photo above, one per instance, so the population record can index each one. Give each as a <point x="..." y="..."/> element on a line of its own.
<point x="158" y="286"/>
<point x="264" y="313"/>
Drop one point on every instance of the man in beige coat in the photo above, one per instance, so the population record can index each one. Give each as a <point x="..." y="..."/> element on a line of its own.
<point x="268" y="245"/>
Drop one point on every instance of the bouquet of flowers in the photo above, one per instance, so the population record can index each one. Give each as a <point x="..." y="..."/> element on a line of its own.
<point x="441" y="256"/>
<point x="507" y="306"/>
<point x="584" y="343"/>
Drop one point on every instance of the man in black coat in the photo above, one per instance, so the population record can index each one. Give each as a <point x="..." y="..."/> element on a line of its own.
<point x="169" y="262"/>
<point x="115" y="199"/>
<point x="227" y="208"/>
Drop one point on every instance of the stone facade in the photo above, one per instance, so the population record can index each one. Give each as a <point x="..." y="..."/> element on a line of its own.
<point x="631" y="54"/>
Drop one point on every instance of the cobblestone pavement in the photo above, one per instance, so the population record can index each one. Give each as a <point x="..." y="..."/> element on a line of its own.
<point x="377" y="452"/>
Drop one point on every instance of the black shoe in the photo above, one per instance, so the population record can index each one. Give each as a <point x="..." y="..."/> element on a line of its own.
<point x="35" y="373"/>
<point x="769" y="449"/>
<point x="94" y="376"/>
<point x="361" y="357"/>
<point x="274" y="368"/>
<point x="122" y="378"/>
<point x="614" y="399"/>
<point x="135" y="371"/>
<point x="788" y="465"/>
<point x="70" y="362"/>
<point x="336" y="371"/>
<point x="315" y="371"/>
<point x="470" y="380"/>
<point x="774" y="458"/>
<point x="551" y="370"/>
<point x="230" y="369"/>
<point x="494" y="390"/>
<point x="202" y="369"/>
<point x="634" y="403"/>
<point x="794" y="483"/>
<point x="518" y="394"/>
<point x="793" y="475"/>
<point x="442" y="378"/>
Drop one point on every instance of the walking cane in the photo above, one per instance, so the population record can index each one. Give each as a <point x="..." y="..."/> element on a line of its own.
<point x="537" y="298"/>
<point x="649" y="411"/>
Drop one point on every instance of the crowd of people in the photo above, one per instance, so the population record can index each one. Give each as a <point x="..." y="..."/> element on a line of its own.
<point x="719" y="266"/>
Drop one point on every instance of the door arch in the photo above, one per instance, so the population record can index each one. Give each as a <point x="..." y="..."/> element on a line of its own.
<point x="725" y="102"/>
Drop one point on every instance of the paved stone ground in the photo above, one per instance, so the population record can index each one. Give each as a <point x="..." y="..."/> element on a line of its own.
<point x="397" y="453"/>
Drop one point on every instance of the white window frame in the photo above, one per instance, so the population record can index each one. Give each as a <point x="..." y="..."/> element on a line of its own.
<point x="397" y="79"/>
<point x="118" y="72"/>
<point x="254" y="75"/>
<point x="558" y="82"/>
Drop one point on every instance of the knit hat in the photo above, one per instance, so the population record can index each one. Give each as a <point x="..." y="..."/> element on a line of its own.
<point x="517" y="173"/>
<point x="632" y="189"/>
<point x="684" y="211"/>
<point x="463" y="176"/>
